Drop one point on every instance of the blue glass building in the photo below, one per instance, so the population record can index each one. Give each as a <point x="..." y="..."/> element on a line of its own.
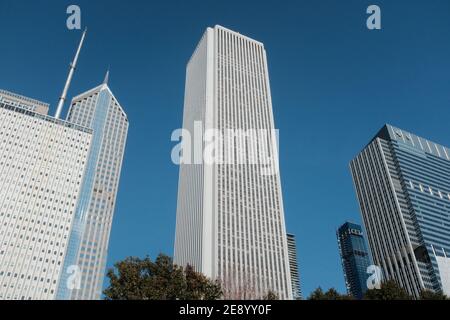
<point x="87" y="251"/>
<point x="355" y="258"/>
<point x="402" y="183"/>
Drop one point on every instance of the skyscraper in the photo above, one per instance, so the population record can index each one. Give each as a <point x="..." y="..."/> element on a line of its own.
<point x="59" y="181"/>
<point x="402" y="183"/>
<point x="293" y="266"/>
<point x="42" y="164"/>
<point x="99" y="110"/>
<point x="230" y="220"/>
<point x="354" y="257"/>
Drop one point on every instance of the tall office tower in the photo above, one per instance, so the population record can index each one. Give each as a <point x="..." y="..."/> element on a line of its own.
<point x="99" y="110"/>
<point x="293" y="266"/>
<point x="42" y="163"/>
<point x="355" y="258"/>
<point x="14" y="99"/>
<point x="403" y="186"/>
<point x="230" y="220"/>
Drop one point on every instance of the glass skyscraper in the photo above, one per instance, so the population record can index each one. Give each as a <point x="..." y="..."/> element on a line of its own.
<point x="402" y="183"/>
<point x="293" y="266"/>
<point x="354" y="257"/>
<point x="99" y="110"/>
<point x="230" y="219"/>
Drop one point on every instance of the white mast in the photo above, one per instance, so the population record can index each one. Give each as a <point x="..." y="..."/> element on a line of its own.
<point x="73" y="65"/>
<point x="105" y="81"/>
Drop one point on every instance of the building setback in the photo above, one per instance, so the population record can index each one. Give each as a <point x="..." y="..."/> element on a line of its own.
<point x="42" y="164"/>
<point x="354" y="257"/>
<point x="402" y="182"/>
<point x="230" y="220"/>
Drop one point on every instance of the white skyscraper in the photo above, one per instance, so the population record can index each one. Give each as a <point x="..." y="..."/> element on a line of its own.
<point x="230" y="219"/>
<point x="42" y="163"/>
<point x="58" y="187"/>
<point x="99" y="110"/>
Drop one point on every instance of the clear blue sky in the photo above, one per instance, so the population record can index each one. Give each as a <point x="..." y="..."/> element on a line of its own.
<point x="334" y="84"/>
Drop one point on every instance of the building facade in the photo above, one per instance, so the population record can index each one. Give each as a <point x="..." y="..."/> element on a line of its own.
<point x="402" y="182"/>
<point x="354" y="257"/>
<point x="42" y="164"/>
<point x="230" y="219"/>
<point x="293" y="266"/>
<point x="17" y="100"/>
<point x="99" y="110"/>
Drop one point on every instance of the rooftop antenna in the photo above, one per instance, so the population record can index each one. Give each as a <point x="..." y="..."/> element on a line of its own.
<point x="73" y="65"/>
<point x="105" y="81"/>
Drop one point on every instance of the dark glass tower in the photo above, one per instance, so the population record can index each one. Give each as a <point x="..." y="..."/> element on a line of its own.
<point x="403" y="186"/>
<point x="293" y="266"/>
<point x="355" y="258"/>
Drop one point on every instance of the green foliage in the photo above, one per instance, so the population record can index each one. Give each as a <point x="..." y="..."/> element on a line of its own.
<point x="199" y="287"/>
<point x="389" y="290"/>
<point x="143" y="279"/>
<point x="431" y="295"/>
<point x="331" y="294"/>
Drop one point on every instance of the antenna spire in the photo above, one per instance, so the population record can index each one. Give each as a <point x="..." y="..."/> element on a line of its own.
<point x="105" y="81"/>
<point x="73" y="65"/>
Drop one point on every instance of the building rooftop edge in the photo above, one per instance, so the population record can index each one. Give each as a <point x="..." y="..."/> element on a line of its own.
<point x="47" y="118"/>
<point x="393" y="133"/>
<point x="218" y="26"/>
<point x="103" y="86"/>
<point x="19" y="96"/>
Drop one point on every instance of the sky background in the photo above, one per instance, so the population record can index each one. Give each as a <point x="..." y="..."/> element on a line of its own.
<point x="334" y="84"/>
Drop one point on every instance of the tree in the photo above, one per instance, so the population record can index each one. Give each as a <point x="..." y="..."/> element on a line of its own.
<point x="389" y="290"/>
<point x="271" y="295"/>
<point x="331" y="294"/>
<point x="129" y="281"/>
<point x="143" y="279"/>
<point x="431" y="295"/>
<point x="199" y="287"/>
<point x="317" y="294"/>
<point x="164" y="280"/>
<point x="239" y="287"/>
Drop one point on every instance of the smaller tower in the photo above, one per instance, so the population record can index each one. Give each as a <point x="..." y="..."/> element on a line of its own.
<point x="355" y="258"/>
<point x="293" y="267"/>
